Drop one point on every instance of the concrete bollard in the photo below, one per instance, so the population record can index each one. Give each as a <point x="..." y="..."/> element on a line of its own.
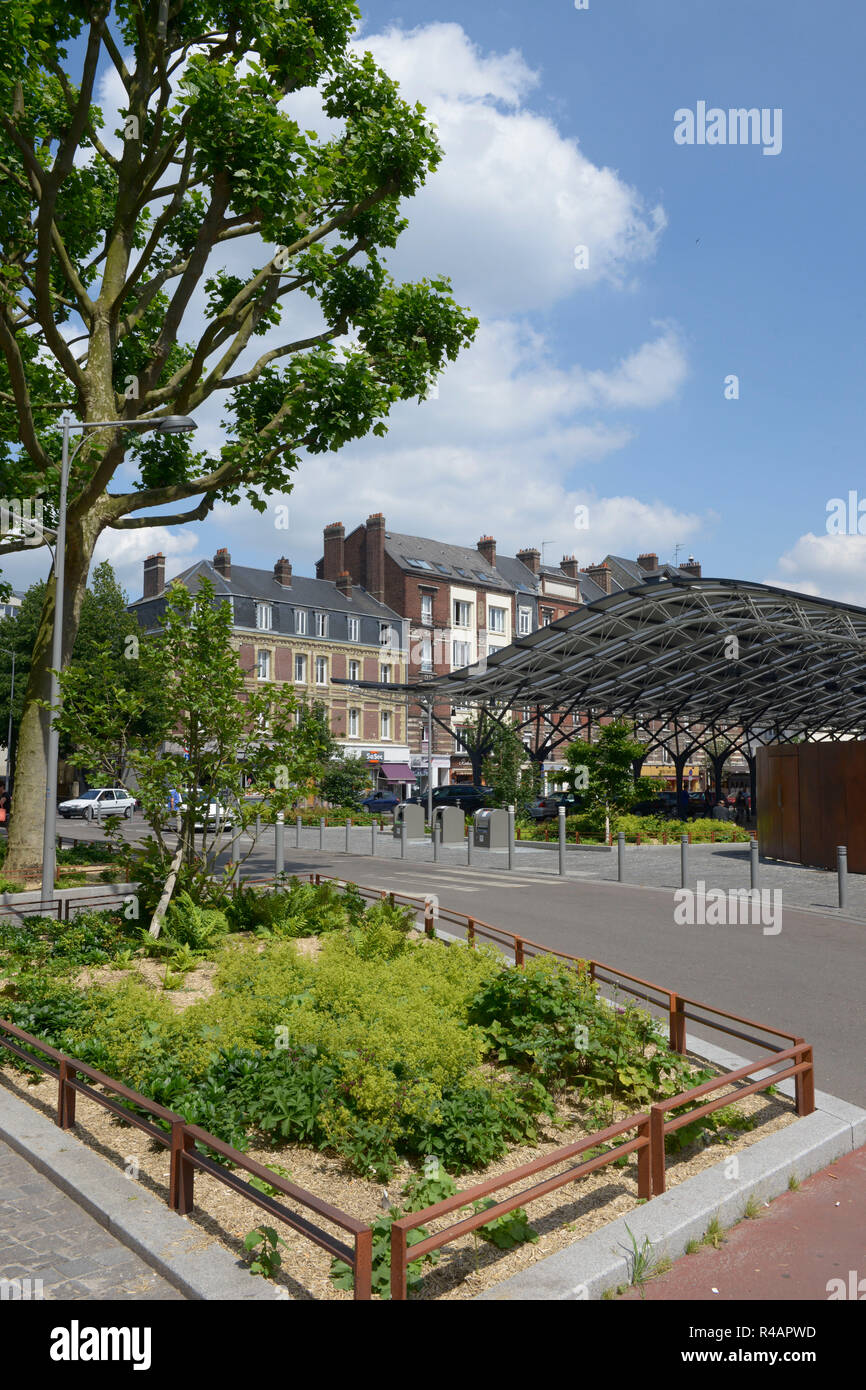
<point x="684" y="861"/>
<point x="511" y="837"/>
<point x="561" y="842"/>
<point x="754" y="865"/>
<point x="279" y="845"/>
<point x="842" y="871"/>
<point x="620" y="856"/>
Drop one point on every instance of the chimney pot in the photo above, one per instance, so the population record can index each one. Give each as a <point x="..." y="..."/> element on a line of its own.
<point x="648" y="561"/>
<point x="602" y="576"/>
<point x="531" y="559"/>
<point x="374" y="553"/>
<point x="569" y="566"/>
<point x="334" y="561"/>
<point x="344" y="583"/>
<point x="692" y="568"/>
<point x="283" y="572"/>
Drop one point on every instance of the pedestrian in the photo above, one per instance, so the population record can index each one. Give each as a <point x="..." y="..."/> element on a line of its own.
<point x="741" y="808"/>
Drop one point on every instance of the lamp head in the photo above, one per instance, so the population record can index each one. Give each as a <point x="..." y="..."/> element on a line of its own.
<point x="175" y="424"/>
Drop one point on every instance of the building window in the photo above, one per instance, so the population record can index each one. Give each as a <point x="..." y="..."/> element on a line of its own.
<point x="462" y="613"/>
<point x="354" y="629"/>
<point x="524" y="621"/>
<point x="300" y="620"/>
<point x="354" y="720"/>
<point x="321" y="624"/>
<point x="385" y="675"/>
<point x="263" y="665"/>
<point x="300" y="669"/>
<point x="386" y="635"/>
<point x="264" y="616"/>
<point x="299" y="714"/>
<point x="386" y="724"/>
<point x="321" y="670"/>
<point x="426" y="654"/>
<point x="546" y="617"/>
<point x="427" y="610"/>
<point x="354" y="670"/>
<point x="459" y="745"/>
<point x="496" y="619"/>
<point x="462" y="654"/>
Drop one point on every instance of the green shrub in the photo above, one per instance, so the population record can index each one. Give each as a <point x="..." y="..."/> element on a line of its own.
<point x="189" y="924"/>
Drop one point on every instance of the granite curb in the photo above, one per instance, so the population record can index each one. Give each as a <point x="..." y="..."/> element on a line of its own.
<point x="188" y="1259"/>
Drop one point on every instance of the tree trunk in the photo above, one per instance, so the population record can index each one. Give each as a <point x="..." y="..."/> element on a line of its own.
<point x="27" y="822"/>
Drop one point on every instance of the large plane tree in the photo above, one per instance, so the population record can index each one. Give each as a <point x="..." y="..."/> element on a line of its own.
<point x="155" y="261"/>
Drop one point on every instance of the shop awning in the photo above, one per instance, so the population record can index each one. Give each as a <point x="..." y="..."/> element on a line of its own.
<point x="397" y="772"/>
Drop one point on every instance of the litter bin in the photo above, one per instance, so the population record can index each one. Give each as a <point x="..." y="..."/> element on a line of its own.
<point x="450" y="821"/>
<point x="413" y="817"/>
<point x="491" y="829"/>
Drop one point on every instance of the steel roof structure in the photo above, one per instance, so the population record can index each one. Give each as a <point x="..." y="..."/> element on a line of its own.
<point x="725" y="654"/>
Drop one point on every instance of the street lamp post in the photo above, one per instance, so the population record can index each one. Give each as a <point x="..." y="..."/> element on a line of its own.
<point x="8" y="651"/>
<point x="167" y="424"/>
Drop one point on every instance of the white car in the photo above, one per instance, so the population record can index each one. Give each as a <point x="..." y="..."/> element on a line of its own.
<point x="99" y="802"/>
<point x="209" y="812"/>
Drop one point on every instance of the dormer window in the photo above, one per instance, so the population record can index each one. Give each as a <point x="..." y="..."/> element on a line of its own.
<point x="264" y="616"/>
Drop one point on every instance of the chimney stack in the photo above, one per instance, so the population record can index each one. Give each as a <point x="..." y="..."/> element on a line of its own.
<point x="375" y="556"/>
<point x="344" y="583"/>
<point x="691" y="569"/>
<point x="222" y="563"/>
<point x="569" y="566"/>
<point x="154" y="575"/>
<point x="487" y="547"/>
<point x="601" y="575"/>
<point x="283" y="572"/>
<point x="531" y="559"/>
<point x="335" y="561"/>
<point x="648" y="561"/>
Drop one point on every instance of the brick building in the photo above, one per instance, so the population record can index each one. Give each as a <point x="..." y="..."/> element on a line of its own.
<point x="306" y="632"/>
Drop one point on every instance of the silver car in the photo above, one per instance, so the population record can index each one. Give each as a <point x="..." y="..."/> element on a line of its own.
<point x="99" y="802"/>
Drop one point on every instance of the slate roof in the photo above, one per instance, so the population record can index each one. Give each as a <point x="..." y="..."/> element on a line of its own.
<point x="246" y="582"/>
<point x="444" y="561"/>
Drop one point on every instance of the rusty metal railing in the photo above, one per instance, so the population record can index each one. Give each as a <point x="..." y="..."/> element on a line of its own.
<point x="181" y="1139"/>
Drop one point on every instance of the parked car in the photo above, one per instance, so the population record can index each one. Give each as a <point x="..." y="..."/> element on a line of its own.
<point x="209" y="811"/>
<point x="99" y="802"/>
<point x="380" y="801"/>
<point x="465" y="795"/>
<point x="547" y="807"/>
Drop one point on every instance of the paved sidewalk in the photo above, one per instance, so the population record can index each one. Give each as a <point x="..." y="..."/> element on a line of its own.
<point x="45" y="1235"/>
<point x="791" y="1252"/>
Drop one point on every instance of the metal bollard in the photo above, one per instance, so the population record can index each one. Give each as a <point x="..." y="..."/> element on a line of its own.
<point x="372" y="837"/>
<point x="403" y="838"/>
<point x="684" y="861"/>
<point x="511" y="837"/>
<point x="279" y="845"/>
<point x="297" y="832"/>
<point x="620" y="855"/>
<point x="258" y="826"/>
<point x="470" y="843"/>
<point x="322" y="832"/>
<point x="435" y="833"/>
<point x="236" y="847"/>
<point x="842" y="871"/>
<point x="562" y="842"/>
<point x="754" y="865"/>
<point x="348" y="829"/>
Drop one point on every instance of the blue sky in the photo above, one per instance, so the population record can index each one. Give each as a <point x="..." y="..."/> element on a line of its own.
<point x="606" y="387"/>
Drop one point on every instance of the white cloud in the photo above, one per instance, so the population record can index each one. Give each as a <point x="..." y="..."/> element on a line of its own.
<point x="127" y="550"/>
<point x="828" y="565"/>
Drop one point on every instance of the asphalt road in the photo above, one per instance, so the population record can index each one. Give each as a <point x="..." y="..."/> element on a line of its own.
<point x="809" y="979"/>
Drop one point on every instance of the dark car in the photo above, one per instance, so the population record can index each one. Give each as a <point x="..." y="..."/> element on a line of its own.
<point x="467" y="797"/>
<point x="380" y="801"/>
<point x="547" y="807"/>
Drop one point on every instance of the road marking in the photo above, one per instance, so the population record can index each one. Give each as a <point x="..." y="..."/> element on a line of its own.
<point x="483" y="880"/>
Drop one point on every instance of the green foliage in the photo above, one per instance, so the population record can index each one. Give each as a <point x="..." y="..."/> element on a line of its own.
<point x="343" y="783"/>
<point x="267" y="1242"/>
<point x="504" y="772"/>
<point x="194" y="926"/>
<point x="603" y="771"/>
<point x="508" y="1231"/>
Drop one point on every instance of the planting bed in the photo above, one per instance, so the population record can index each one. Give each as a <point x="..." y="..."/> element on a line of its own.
<point x="332" y="1042"/>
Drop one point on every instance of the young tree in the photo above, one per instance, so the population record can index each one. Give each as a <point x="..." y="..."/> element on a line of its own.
<point x="210" y="732"/>
<point x="126" y="290"/>
<point x="505" y="772"/>
<point x="344" y="780"/>
<point x="603" y="771"/>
